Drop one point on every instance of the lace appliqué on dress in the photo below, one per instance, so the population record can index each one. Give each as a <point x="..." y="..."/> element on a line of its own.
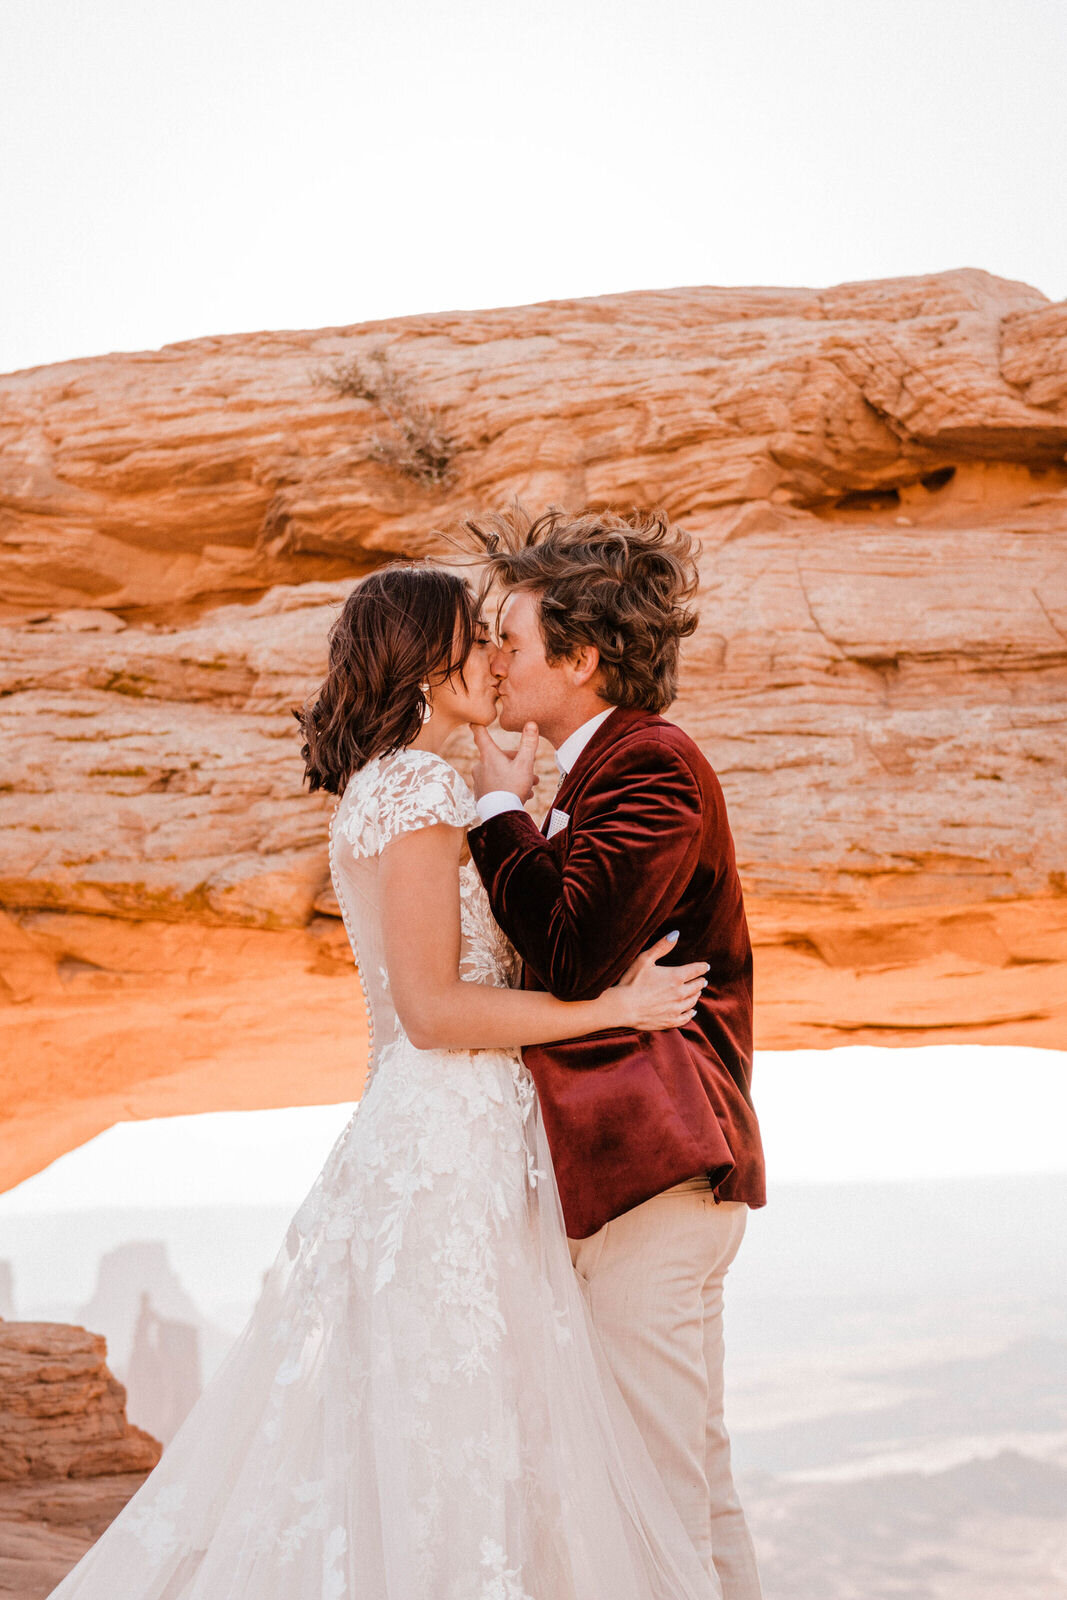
<point x="423" y="1205"/>
<point x="487" y="955"/>
<point x="400" y="793"/>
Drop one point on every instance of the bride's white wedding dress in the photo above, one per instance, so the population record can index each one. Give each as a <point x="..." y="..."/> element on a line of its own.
<point x="416" y="1409"/>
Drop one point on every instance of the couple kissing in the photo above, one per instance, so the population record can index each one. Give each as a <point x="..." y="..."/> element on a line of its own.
<point x="487" y="1363"/>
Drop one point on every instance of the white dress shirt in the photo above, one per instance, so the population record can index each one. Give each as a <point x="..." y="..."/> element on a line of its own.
<point x="500" y="800"/>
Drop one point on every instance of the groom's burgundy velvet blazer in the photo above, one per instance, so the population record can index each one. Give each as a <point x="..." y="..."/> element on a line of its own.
<point x="647" y="849"/>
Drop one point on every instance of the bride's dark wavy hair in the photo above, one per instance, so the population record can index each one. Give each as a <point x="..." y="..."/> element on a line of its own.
<point x="403" y="627"/>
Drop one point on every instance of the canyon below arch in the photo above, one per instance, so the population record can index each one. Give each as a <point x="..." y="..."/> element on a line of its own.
<point x="877" y="477"/>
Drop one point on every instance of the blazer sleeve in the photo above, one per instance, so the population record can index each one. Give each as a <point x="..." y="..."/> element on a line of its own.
<point x="635" y="841"/>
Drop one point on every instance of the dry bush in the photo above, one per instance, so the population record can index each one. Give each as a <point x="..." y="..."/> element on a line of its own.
<point x="416" y="445"/>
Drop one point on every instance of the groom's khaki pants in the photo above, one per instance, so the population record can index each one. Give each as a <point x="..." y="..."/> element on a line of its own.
<point x="654" y="1281"/>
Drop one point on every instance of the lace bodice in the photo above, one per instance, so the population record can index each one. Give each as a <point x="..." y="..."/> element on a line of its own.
<point x="392" y="795"/>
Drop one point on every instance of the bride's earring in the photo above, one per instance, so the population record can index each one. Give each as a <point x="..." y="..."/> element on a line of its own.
<point x="427" y="709"/>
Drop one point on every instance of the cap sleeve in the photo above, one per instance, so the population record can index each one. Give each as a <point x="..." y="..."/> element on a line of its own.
<point x="406" y="791"/>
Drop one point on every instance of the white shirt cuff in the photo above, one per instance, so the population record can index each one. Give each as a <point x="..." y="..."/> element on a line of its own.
<point x="496" y="803"/>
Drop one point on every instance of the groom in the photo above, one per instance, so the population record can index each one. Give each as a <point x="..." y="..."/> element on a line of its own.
<point x="654" y="1140"/>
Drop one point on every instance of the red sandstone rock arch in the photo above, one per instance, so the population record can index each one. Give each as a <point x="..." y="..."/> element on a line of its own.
<point x="878" y="476"/>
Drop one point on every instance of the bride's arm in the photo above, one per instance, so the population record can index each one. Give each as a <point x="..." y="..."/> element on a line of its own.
<point x="419" y="883"/>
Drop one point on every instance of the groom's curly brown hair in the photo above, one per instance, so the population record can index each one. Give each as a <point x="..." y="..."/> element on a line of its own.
<point x="620" y="583"/>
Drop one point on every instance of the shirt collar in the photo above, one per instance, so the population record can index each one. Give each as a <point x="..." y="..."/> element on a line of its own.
<point x="572" y="747"/>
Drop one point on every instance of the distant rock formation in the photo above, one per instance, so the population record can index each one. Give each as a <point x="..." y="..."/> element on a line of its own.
<point x="124" y="1277"/>
<point x="163" y="1375"/>
<point x="877" y="475"/>
<point x="7" y="1291"/>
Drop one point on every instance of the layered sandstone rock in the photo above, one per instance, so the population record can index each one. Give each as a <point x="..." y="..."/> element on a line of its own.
<point x="62" y="1414"/>
<point x="878" y="478"/>
<point x="47" y="1525"/>
<point x="69" y="1460"/>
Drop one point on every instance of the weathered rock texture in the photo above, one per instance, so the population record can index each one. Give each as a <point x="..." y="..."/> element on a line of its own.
<point x="47" y="1525"/>
<point x="69" y="1460"/>
<point x="878" y="477"/>
<point x="62" y="1414"/>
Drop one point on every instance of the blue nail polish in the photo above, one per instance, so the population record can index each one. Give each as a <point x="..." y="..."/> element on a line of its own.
<point x="674" y="936"/>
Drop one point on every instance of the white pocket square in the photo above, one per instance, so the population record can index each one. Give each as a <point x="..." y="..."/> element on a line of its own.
<point x="556" y="823"/>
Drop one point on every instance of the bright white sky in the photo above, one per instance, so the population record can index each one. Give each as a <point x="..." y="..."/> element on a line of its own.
<point x="189" y="167"/>
<point x="858" y="1114"/>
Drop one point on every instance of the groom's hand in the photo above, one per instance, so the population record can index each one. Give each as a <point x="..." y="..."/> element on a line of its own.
<point x="510" y="770"/>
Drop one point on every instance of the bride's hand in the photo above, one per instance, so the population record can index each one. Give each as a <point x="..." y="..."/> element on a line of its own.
<point x="649" y="997"/>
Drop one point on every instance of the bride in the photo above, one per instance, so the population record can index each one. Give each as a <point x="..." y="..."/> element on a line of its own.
<point x="417" y="1409"/>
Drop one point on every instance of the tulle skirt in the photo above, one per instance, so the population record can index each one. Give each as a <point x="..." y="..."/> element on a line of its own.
<point x="417" y="1408"/>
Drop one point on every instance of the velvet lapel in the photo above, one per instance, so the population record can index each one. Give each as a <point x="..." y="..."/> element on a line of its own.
<point x="610" y="730"/>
